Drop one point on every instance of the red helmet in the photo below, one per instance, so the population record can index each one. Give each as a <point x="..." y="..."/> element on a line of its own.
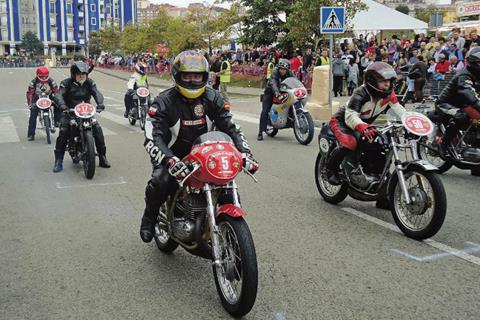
<point x="43" y="74"/>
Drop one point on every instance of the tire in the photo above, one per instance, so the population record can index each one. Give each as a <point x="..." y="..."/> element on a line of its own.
<point x="439" y="205"/>
<point x="142" y="118"/>
<point x="162" y="239"/>
<point x="89" y="160"/>
<point x="304" y="138"/>
<point x="426" y="151"/>
<point x="46" y="122"/>
<point x="132" y="116"/>
<point x="246" y="269"/>
<point x="475" y="171"/>
<point x="321" y="181"/>
<point x="271" y="131"/>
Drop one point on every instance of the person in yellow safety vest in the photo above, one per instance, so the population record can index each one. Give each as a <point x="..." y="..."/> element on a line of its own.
<point x="324" y="60"/>
<point x="225" y="75"/>
<point x="270" y="67"/>
<point x="137" y="79"/>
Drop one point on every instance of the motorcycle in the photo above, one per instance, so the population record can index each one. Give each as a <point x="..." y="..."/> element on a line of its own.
<point x="141" y="101"/>
<point x="81" y="145"/>
<point x="465" y="146"/>
<point x="45" y="115"/>
<point x="415" y="192"/>
<point x="205" y="217"/>
<point x="291" y="113"/>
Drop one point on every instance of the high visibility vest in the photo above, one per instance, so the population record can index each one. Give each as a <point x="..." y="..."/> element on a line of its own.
<point x="225" y="74"/>
<point x="324" y="60"/>
<point x="142" y="81"/>
<point x="270" y="68"/>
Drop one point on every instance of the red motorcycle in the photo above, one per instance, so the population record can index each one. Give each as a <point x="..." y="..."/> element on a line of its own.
<point x="205" y="217"/>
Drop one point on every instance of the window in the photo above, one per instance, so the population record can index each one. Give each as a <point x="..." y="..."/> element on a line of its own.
<point x="93" y="8"/>
<point x="93" y="21"/>
<point x="52" y="7"/>
<point x="69" y="8"/>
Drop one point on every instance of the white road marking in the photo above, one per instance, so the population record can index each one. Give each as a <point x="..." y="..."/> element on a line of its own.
<point x="435" y="244"/>
<point x="120" y="181"/>
<point x="247" y="117"/>
<point x="473" y="249"/>
<point x="119" y="119"/>
<point x="8" y="133"/>
<point x="113" y="99"/>
<point x="113" y="91"/>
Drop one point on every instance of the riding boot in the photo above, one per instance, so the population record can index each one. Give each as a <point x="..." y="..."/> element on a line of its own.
<point x="333" y="165"/>
<point x="147" y="227"/>
<point x="101" y="149"/>
<point x="103" y="162"/>
<point x="260" y="136"/>
<point x="58" y="166"/>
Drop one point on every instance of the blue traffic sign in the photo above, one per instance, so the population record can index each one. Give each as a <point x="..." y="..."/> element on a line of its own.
<point x="332" y="20"/>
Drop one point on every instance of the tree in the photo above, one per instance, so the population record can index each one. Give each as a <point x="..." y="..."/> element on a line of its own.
<point x="94" y="43"/>
<point x="108" y="38"/>
<point x="31" y="44"/>
<point x="402" y="8"/>
<point x="133" y="38"/>
<point x="425" y="13"/>
<point x="182" y="35"/>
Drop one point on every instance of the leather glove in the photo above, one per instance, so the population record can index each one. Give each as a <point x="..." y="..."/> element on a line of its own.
<point x="100" y="108"/>
<point x="63" y="108"/>
<point x="366" y="130"/>
<point x="249" y="163"/>
<point x="177" y="168"/>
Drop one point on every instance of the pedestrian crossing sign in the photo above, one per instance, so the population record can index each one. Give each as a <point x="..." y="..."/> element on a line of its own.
<point x="332" y="19"/>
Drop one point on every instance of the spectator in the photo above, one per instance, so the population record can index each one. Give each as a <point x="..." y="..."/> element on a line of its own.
<point x="338" y="70"/>
<point x="418" y="73"/>
<point x="353" y="73"/>
<point x="431" y="68"/>
<point x="442" y="67"/>
<point x="455" y="64"/>
<point x="459" y="41"/>
<point x="454" y="51"/>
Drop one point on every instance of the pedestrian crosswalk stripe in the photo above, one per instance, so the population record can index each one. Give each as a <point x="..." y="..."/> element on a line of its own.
<point x="8" y="133"/>
<point x="119" y="120"/>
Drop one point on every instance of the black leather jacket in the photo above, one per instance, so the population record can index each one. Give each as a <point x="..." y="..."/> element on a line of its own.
<point x="175" y="123"/>
<point x="72" y="93"/>
<point x="273" y="86"/>
<point x="460" y="91"/>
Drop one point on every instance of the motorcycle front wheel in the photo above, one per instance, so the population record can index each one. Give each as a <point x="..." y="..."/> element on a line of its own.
<point x="424" y="216"/>
<point x="47" y="124"/>
<point x="162" y="238"/>
<point x="305" y="129"/>
<point x="89" y="158"/>
<point x="132" y="116"/>
<point x="142" y="117"/>
<point x="330" y="193"/>
<point x="236" y="278"/>
<point x="428" y="150"/>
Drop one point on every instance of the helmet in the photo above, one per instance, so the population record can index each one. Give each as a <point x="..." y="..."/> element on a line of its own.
<point x="473" y="61"/>
<point x="140" y="68"/>
<point x="78" y="67"/>
<point x="42" y="74"/>
<point x="379" y="71"/>
<point x="284" y="63"/>
<point x="190" y="61"/>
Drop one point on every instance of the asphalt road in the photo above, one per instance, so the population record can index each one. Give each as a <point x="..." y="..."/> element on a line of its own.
<point x="70" y="247"/>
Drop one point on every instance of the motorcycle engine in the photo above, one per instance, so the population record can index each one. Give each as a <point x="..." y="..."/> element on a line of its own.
<point x="371" y="162"/>
<point x="362" y="180"/>
<point x="190" y="208"/>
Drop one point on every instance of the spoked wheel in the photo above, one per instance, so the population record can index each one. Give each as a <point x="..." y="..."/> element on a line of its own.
<point x="47" y="124"/>
<point x="428" y="150"/>
<point x="142" y="117"/>
<point x="132" y="116"/>
<point x="305" y="129"/>
<point x="162" y="238"/>
<point x="424" y="216"/>
<point x="330" y="193"/>
<point x="89" y="158"/>
<point x="236" y="278"/>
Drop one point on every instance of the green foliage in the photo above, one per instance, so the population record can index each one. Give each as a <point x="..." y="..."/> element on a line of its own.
<point x="108" y="39"/>
<point x="31" y="44"/>
<point x="402" y="8"/>
<point x="424" y="14"/>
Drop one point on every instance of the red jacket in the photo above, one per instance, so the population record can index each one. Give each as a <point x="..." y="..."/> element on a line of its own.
<point x="442" y="67"/>
<point x="35" y="86"/>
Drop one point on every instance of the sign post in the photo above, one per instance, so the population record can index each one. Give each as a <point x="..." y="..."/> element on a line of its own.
<point x="332" y="20"/>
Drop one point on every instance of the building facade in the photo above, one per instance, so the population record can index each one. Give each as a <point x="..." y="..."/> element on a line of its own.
<point x="62" y="25"/>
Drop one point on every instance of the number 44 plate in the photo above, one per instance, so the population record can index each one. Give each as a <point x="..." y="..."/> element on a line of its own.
<point x="417" y="123"/>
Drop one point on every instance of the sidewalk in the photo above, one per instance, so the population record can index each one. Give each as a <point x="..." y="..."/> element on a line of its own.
<point x="160" y="83"/>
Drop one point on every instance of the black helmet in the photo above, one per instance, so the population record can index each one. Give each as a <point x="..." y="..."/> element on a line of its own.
<point x="473" y="61"/>
<point x="284" y="63"/>
<point x="379" y="71"/>
<point x="78" y="67"/>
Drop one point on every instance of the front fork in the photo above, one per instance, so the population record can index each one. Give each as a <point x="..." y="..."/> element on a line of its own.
<point x="214" y="230"/>
<point x="399" y="169"/>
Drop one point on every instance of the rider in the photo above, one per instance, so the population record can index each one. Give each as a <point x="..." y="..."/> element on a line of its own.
<point x="355" y="119"/>
<point x="74" y="90"/>
<point x="137" y="79"/>
<point x="272" y="91"/>
<point x="41" y="83"/>
<point x="460" y="99"/>
<point x="178" y="116"/>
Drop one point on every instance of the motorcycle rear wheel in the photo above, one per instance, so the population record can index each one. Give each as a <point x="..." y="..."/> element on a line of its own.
<point x="331" y="194"/>
<point x="89" y="160"/>
<point x="428" y="151"/>
<point x="236" y="279"/>
<point x="410" y="218"/>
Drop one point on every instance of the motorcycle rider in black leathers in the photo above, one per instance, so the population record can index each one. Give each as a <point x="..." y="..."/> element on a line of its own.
<point x="176" y="118"/>
<point x="459" y="100"/>
<point x="74" y="90"/>
<point x="272" y="91"/>
<point x="353" y="121"/>
<point x="137" y="79"/>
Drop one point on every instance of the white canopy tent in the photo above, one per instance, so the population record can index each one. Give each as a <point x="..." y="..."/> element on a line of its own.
<point x="378" y="18"/>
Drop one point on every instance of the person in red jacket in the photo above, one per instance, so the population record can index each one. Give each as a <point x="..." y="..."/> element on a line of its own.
<point x="443" y="65"/>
